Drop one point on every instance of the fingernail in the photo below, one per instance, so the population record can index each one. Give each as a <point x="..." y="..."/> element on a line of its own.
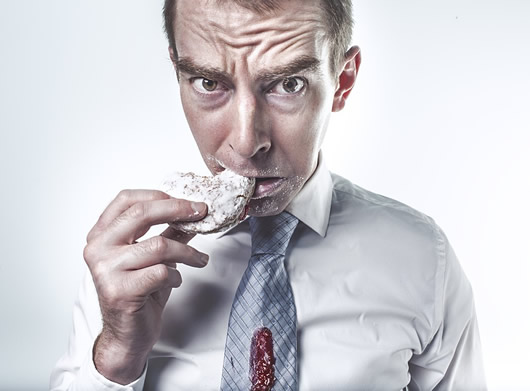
<point x="204" y="259"/>
<point x="198" y="208"/>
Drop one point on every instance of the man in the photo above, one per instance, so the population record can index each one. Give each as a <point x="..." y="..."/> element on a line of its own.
<point x="381" y="301"/>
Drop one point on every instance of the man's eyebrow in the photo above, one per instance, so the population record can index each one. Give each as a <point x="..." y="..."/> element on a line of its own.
<point x="301" y="64"/>
<point x="186" y="65"/>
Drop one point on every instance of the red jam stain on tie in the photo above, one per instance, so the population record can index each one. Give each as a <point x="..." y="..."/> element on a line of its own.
<point x="261" y="360"/>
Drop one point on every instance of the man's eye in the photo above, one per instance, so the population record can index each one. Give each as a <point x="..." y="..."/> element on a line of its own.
<point x="204" y="85"/>
<point x="289" y="86"/>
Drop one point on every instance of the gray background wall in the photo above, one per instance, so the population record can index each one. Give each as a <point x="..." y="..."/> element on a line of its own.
<point x="89" y="105"/>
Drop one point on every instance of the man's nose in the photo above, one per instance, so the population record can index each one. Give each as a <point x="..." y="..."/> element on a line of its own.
<point x="250" y="135"/>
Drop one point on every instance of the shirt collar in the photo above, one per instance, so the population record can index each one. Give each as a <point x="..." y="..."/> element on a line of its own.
<point x="312" y="204"/>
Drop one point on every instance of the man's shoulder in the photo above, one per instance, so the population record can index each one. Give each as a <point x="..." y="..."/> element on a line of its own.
<point x="358" y="207"/>
<point x="396" y="243"/>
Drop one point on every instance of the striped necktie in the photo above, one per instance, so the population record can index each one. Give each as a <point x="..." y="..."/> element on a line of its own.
<point x="263" y="305"/>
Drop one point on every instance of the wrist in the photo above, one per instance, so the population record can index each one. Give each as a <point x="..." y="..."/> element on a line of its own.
<point x="117" y="363"/>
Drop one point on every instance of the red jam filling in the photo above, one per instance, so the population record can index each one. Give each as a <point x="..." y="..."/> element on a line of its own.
<point x="262" y="360"/>
<point x="244" y="213"/>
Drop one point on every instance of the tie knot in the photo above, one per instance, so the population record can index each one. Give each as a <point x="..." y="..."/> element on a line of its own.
<point x="271" y="234"/>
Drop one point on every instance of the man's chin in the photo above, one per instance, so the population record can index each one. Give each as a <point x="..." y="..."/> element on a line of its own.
<point x="261" y="205"/>
<point x="266" y="206"/>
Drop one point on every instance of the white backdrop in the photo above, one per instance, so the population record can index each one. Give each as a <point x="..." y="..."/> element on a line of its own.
<point x="88" y="106"/>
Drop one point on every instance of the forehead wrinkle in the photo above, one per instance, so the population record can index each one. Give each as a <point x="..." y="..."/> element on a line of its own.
<point x="248" y="29"/>
<point x="303" y="42"/>
<point x="264" y="28"/>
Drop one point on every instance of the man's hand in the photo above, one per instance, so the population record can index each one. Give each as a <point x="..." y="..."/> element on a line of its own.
<point x="134" y="280"/>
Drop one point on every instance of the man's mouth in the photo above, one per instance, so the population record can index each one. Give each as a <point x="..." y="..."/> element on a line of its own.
<point x="266" y="186"/>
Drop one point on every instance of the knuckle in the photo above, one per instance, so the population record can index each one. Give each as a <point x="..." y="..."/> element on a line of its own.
<point x="89" y="254"/>
<point x="90" y="235"/>
<point x="137" y="211"/>
<point x="158" y="195"/>
<point x="124" y="195"/>
<point x="156" y="276"/>
<point x="152" y="246"/>
<point x="160" y="272"/>
<point x="157" y="245"/>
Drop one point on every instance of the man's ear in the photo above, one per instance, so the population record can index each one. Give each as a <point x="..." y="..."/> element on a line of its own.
<point x="347" y="78"/>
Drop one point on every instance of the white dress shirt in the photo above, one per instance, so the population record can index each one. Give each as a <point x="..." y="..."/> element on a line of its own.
<point x="382" y="304"/>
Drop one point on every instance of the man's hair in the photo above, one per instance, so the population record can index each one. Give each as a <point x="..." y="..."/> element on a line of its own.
<point x="337" y="15"/>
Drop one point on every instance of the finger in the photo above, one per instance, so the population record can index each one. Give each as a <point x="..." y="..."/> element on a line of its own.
<point x="136" y="221"/>
<point x="146" y="281"/>
<point x="162" y="296"/>
<point x="123" y="201"/>
<point x="174" y="234"/>
<point x="158" y="249"/>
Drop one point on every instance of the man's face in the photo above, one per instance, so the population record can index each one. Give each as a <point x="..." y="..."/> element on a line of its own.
<point x="257" y="92"/>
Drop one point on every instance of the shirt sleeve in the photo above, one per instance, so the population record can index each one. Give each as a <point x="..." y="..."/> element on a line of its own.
<point x="452" y="359"/>
<point x="75" y="370"/>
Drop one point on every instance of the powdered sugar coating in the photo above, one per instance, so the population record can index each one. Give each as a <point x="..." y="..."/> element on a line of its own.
<point x="226" y="195"/>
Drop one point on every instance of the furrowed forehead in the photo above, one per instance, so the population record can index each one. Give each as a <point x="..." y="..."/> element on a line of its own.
<point x="228" y="18"/>
<point x="227" y="42"/>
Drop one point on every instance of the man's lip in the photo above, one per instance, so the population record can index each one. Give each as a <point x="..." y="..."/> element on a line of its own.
<point x="266" y="185"/>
